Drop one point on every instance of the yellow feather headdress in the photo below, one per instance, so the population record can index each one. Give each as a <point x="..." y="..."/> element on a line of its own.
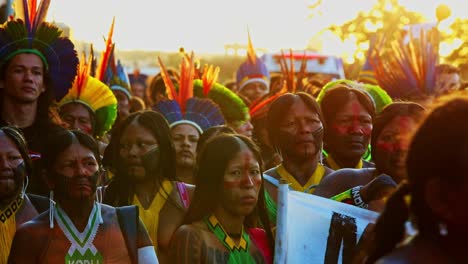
<point x="95" y="95"/>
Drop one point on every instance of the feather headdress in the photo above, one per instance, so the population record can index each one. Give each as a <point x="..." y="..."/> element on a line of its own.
<point x="252" y="70"/>
<point x="233" y="108"/>
<point x="29" y="33"/>
<point x="406" y="66"/>
<point x="95" y="96"/>
<point x="379" y="96"/>
<point x="182" y="107"/>
<point x="291" y="85"/>
<point x="110" y="71"/>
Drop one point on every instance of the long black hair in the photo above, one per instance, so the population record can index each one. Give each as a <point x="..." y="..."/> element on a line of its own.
<point x="279" y="108"/>
<point x="212" y="164"/>
<point x="121" y="189"/>
<point x="438" y="150"/>
<point x="60" y="140"/>
<point x="413" y="110"/>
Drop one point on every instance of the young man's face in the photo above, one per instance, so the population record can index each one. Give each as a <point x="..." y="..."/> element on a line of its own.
<point x="24" y="78"/>
<point x="185" y="138"/>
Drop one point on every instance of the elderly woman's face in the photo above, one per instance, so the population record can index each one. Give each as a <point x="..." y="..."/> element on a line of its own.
<point x="10" y="159"/>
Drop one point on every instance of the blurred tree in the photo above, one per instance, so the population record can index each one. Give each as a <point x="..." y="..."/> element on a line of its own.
<point x="458" y="31"/>
<point x="385" y="16"/>
<point x="389" y="16"/>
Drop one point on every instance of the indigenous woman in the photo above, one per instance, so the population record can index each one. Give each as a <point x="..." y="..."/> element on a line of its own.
<point x="78" y="228"/>
<point x="389" y="144"/>
<point x="348" y="115"/>
<point x="15" y="207"/>
<point x="434" y="198"/>
<point x="227" y="207"/>
<point x="295" y="129"/>
<point x="142" y="157"/>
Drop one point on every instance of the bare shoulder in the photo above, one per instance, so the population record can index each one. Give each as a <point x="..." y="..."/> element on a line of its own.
<point x="341" y="180"/>
<point x="31" y="237"/>
<point x="186" y="245"/>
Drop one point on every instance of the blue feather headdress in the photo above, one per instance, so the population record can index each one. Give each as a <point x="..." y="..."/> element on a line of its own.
<point x="182" y="107"/>
<point x="405" y="67"/>
<point x="29" y="33"/>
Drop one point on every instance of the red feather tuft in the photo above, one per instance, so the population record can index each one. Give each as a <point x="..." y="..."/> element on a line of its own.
<point x="256" y="107"/>
<point x="170" y="88"/>
<point x="101" y="70"/>
<point x="187" y="71"/>
<point x="209" y="77"/>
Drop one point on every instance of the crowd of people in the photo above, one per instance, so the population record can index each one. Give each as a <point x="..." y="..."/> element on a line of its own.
<point x="98" y="166"/>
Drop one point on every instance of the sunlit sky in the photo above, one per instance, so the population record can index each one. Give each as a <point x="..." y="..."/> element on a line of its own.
<point x="207" y="25"/>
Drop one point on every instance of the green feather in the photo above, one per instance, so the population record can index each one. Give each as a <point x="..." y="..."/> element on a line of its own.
<point x="105" y="118"/>
<point x="232" y="106"/>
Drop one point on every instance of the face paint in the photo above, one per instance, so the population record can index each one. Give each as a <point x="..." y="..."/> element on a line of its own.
<point x="66" y="187"/>
<point x="245" y="179"/>
<point x="400" y="141"/>
<point x="150" y="160"/>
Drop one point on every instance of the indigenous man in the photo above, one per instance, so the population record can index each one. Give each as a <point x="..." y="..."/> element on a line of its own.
<point x="89" y="106"/>
<point x="79" y="229"/>
<point x="34" y="69"/>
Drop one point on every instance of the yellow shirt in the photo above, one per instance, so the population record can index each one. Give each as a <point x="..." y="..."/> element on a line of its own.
<point x="314" y="179"/>
<point x="150" y="216"/>
<point x="334" y="166"/>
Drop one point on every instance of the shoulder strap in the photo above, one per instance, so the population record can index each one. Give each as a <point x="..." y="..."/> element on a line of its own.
<point x="271" y="180"/>
<point x="39" y="202"/>
<point x="183" y="193"/>
<point x="128" y="221"/>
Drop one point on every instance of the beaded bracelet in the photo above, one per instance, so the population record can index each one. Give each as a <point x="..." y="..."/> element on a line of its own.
<point x="357" y="198"/>
<point x="351" y="196"/>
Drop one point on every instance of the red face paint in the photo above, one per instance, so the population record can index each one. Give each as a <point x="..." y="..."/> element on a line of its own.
<point x="246" y="178"/>
<point x="352" y="124"/>
<point x="399" y="142"/>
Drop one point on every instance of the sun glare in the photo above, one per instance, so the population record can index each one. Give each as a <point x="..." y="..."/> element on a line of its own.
<point x="206" y="26"/>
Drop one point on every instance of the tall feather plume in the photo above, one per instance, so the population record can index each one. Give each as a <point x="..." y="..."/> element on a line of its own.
<point x="170" y="87"/>
<point x="406" y="67"/>
<point x="186" y="81"/>
<point x="302" y="73"/>
<point x="92" y="61"/>
<point x="82" y="75"/>
<point x="40" y="14"/>
<point x="251" y="50"/>
<point x="209" y="77"/>
<point x="103" y="63"/>
<point x="257" y="107"/>
<point x="288" y="72"/>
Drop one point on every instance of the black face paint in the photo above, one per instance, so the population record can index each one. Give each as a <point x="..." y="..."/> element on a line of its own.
<point x="318" y="139"/>
<point x="63" y="184"/>
<point x="20" y="175"/>
<point x="150" y="161"/>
